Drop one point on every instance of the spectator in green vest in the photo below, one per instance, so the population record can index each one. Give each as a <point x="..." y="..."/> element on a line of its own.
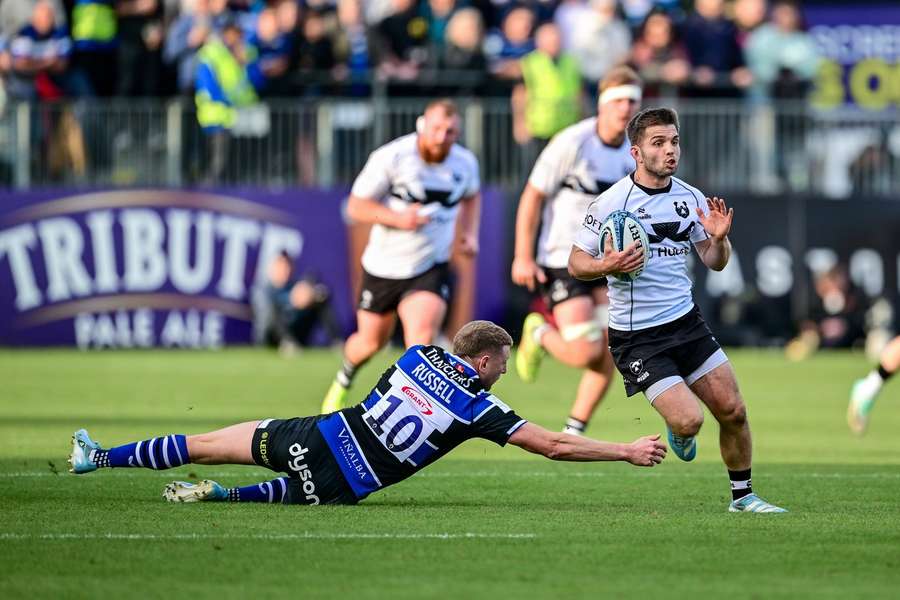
<point x="95" y="30"/>
<point x="551" y="98"/>
<point x="222" y="86"/>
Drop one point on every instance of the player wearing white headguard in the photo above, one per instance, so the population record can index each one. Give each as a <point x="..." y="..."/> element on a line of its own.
<point x="579" y="163"/>
<point x="657" y="336"/>
<point x="412" y="191"/>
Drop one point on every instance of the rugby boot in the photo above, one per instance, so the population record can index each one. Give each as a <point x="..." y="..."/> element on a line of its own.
<point x="206" y="490"/>
<point x="81" y="460"/>
<point x="529" y="353"/>
<point x="335" y="398"/>
<point x="684" y="448"/>
<point x="754" y="504"/>
<point x="862" y="399"/>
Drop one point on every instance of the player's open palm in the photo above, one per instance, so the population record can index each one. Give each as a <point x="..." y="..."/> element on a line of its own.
<point x="646" y="451"/>
<point x="718" y="222"/>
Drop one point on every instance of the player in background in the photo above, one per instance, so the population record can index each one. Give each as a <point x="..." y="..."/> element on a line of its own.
<point x="412" y="190"/>
<point x="580" y="162"/>
<point x="660" y="342"/>
<point x="865" y="391"/>
<point x="426" y="404"/>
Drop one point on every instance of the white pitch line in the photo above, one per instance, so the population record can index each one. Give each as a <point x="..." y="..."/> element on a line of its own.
<point x="493" y="474"/>
<point x="308" y="535"/>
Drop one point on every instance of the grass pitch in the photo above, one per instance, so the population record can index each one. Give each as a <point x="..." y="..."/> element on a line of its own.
<point x="483" y="522"/>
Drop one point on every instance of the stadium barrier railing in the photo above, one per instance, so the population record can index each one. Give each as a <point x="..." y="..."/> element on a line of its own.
<point x="728" y="145"/>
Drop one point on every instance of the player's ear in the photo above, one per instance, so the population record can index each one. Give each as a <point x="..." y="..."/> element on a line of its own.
<point x="635" y="154"/>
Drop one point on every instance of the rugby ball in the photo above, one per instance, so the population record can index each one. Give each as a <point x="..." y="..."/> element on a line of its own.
<point x="624" y="228"/>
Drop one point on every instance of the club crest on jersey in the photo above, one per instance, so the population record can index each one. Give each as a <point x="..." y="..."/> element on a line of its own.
<point x="421" y="403"/>
<point x="682" y="209"/>
<point x="636" y="366"/>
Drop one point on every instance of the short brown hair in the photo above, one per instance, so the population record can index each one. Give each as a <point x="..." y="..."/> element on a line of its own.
<point x="650" y="117"/>
<point x="479" y="337"/>
<point x="622" y="75"/>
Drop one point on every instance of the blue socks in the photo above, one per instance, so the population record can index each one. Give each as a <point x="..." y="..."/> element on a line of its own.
<point x="156" y="453"/>
<point x="268" y="491"/>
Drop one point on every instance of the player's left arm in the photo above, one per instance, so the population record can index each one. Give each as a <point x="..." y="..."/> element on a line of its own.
<point x="643" y="452"/>
<point x="468" y="223"/>
<point x="715" y="250"/>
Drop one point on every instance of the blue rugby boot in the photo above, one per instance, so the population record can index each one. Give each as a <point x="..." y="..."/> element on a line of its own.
<point x="754" y="504"/>
<point x="206" y="490"/>
<point x="82" y="457"/>
<point x="684" y="448"/>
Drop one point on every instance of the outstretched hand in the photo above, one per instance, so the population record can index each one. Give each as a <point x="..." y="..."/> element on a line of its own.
<point x="718" y="222"/>
<point x="646" y="451"/>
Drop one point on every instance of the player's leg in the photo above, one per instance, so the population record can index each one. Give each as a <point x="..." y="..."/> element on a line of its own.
<point x="423" y="305"/>
<point x="266" y="492"/>
<point x="591" y="390"/>
<point x="865" y="390"/>
<point x="580" y="342"/>
<point x="681" y="411"/>
<point x="421" y="313"/>
<point x="718" y="390"/>
<point x="574" y="340"/>
<point x="372" y="333"/>
<point x="294" y="446"/>
<point x="577" y="340"/>
<point x="230" y="445"/>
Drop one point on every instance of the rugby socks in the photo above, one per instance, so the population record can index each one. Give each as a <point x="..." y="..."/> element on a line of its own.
<point x="883" y="373"/>
<point x="740" y="484"/>
<point x="156" y="453"/>
<point x="271" y="492"/>
<point x="575" y="426"/>
<point x="539" y="333"/>
<point x="346" y="374"/>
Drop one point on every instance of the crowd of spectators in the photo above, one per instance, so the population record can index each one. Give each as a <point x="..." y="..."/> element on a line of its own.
<point x="52" y="49"/>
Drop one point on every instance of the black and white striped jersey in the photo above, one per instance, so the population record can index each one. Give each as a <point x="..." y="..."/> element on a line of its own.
<point x="662" y="293"/>
<point x="572" y="170"/>
<point x="396" y="175"/>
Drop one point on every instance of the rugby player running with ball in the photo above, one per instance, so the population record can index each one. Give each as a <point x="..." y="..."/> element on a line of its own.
<point x="660" y="342"/>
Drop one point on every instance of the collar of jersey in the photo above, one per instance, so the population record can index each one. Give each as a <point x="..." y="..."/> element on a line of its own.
<point x="653" y="191"/>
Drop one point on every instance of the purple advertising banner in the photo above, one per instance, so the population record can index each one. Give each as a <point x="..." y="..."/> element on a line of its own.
<point x="859" y="43"/>
<point x="172" y="268"/>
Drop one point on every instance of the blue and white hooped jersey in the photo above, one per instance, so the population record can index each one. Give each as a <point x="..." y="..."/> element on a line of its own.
<point x="424" y="405"/>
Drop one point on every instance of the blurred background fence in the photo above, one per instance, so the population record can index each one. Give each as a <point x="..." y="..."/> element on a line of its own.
<point x="729" y="145"/>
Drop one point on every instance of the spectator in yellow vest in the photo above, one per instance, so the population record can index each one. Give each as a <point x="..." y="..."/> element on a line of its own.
<point x="222" y="86"/>
<point x="551" y="97"/>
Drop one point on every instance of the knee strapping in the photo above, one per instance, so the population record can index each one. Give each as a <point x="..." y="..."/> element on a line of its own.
<point x="591" y="331"/>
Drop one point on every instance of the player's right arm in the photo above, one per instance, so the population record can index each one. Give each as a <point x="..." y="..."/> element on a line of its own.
<point x="368" y="210"/>
<point x="585" y="266"/>
<point x="372" y="184"/>
<point x="525" y="271"/>
<point x="586" y="261"/>
<point x="643" y="452"/>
